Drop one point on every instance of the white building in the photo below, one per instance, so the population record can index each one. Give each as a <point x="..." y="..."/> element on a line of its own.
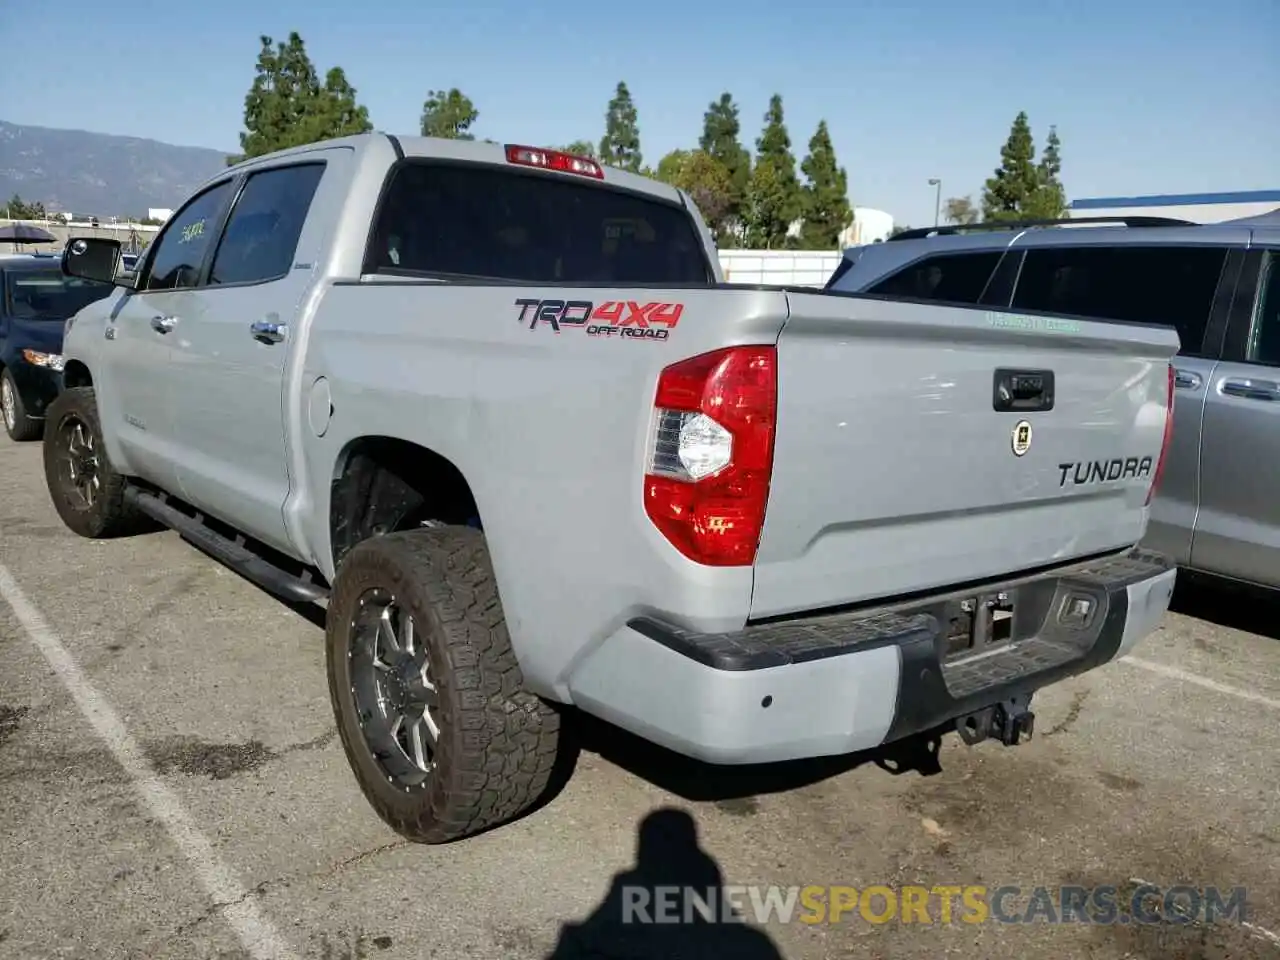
<point x="159" y="213"/>
<point x="869" y="226"/>
<point x="1196" y="207"/>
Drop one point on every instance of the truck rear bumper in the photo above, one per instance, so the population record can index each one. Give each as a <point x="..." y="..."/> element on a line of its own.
<point x="835" y="684"/>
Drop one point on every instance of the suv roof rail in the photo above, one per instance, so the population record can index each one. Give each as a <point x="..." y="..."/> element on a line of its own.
<point x="921" y="232"/>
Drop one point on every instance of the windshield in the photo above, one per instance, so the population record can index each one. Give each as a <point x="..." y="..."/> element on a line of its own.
<point x="48" y="294"/>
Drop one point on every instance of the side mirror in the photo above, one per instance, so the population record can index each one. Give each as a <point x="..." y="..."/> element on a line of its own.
<point x="91" y="258"/>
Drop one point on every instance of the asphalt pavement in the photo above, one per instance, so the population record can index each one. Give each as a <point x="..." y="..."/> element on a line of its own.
<point x="171" y="786"/>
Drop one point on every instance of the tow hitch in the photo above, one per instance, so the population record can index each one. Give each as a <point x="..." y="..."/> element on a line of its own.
<point x="1007" y="721"/>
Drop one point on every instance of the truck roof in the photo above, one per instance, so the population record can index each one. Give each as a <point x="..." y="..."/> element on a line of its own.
<point x="473" y="151"/>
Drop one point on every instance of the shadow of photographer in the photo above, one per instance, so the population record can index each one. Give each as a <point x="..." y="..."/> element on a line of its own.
<point x="670" y="906"/>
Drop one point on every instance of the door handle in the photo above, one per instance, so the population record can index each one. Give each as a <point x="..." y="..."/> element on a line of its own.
<point x="264" y="331"/>
<point x="163" y="324"/>
<point x="1251" y="389"/>
<point x="1186" y="379"/>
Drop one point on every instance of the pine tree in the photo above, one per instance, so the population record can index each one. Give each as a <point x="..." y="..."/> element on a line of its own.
<point x="826" y="195"/>
<point x="1012" y="188"/>
<point x="287" y="106"/>
<point x="620" y="146"/>
<point x="448" y="114"/>
<point x="774" y="199"/>
<point x="721" y="132"/>
<point x="1050" y="200"/>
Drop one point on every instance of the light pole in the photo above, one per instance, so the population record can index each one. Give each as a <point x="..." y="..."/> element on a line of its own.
<point x="937" y="199"/>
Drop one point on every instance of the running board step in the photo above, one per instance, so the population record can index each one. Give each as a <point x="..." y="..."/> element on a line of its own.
<point x="239" y="558"/>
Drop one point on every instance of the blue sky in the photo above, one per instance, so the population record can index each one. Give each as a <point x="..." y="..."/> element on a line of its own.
<point x="1149" y="96"/>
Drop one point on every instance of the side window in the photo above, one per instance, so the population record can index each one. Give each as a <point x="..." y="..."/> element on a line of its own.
<point x="262" y="232"/>
<point x="949" y="278"/>
<point x="180" y="250"/>
<point x="1164" y="286"/>
<point x="1264" y="339"/>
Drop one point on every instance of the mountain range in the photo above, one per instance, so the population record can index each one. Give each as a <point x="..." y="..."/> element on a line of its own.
<point x="98" y="174"/>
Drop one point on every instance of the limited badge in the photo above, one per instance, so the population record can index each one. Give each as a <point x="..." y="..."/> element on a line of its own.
<point x="1021" y="439"/>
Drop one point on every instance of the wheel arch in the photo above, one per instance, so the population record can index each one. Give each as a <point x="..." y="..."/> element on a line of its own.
<point x="384" y="484"/>
<point x="76" y="374"/>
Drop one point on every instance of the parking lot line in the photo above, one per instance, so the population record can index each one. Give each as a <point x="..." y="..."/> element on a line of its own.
<point x="1174" y="673"/>
<point x="256" y="934"/>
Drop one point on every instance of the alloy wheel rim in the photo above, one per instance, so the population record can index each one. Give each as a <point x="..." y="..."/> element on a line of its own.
<point x="397" y="703"/>
<point x="80" y="465"/>
<point x="7" y="404"/>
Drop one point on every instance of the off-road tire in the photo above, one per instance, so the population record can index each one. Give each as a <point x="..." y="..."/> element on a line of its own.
<point x="111" y="515"/>
<point x="24" y="428"/>
<point x="498" y="743"/>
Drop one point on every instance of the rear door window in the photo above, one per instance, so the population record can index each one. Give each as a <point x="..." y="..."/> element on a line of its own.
<point x="1159" y="285"/>
<point x="1264" y="338"/>
<point x="476" y="221"/>
<point x="262" y="232"/>
<point x="945" y="278"/>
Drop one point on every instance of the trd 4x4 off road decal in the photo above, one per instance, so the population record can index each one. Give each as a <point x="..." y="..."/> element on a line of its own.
<point x="613" y="318"/>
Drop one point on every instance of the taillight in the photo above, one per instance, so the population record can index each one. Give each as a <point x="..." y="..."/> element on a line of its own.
<point x="711" y="453"/>
<point x="1164" y="444"/>
<point x="554" y="160"/>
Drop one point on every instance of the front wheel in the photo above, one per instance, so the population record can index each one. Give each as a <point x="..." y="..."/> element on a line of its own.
<point x="427" y="694"/>
<point x="85" y="488"/>
<point x="13" y="411"/>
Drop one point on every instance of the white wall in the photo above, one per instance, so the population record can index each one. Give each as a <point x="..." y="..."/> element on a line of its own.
<point x="801" y="268"/>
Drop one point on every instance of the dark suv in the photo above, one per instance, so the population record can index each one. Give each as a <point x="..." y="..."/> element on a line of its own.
<point x="35" y="302"/>
<point x="1217" y="284"/>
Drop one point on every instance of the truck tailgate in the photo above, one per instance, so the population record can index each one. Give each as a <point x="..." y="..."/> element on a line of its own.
<point x="895" y="472"/>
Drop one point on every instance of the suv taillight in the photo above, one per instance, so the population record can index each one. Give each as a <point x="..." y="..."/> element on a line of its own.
<point x="711" y="453"/>
<point x="1164" y="444"/>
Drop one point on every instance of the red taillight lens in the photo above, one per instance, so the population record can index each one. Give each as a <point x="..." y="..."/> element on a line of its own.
<point x="711" y="453"/>
<point x="1164" y="444"/>
<point x="554" y="160"/>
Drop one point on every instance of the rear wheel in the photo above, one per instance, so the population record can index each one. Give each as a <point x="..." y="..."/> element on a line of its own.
<point x="13" y="411"/>
<point x="429" y="700"/>
<point x="85" y="488"/>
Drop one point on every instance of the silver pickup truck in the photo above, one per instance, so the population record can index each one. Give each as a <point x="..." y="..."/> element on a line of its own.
<point x="495" y="407"/>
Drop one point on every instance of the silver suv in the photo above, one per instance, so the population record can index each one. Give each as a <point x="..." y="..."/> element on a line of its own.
<point x="1218" y="510"/>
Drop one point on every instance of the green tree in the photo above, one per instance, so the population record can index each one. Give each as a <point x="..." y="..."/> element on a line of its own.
<point x="288" y="106"/>
<point x="671" y="166"/>
<point x="620" y="145"/>
<point x="579" y="148"/>
<point x="19" y="209"/>
<point x="960" y="210"/>
<point x="721" y="140"/>
<point x="710" y="186"/>
<point x="774" y="198"/>
<point x="903" y="228"/>
<point x="826" y="195"/>
<point x="1050" y="199"/>
<point x="1012" y="189"/>
<point x="706" y="181"/>
<point x="768" y="207"/>
<point x="448" y="114"/>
